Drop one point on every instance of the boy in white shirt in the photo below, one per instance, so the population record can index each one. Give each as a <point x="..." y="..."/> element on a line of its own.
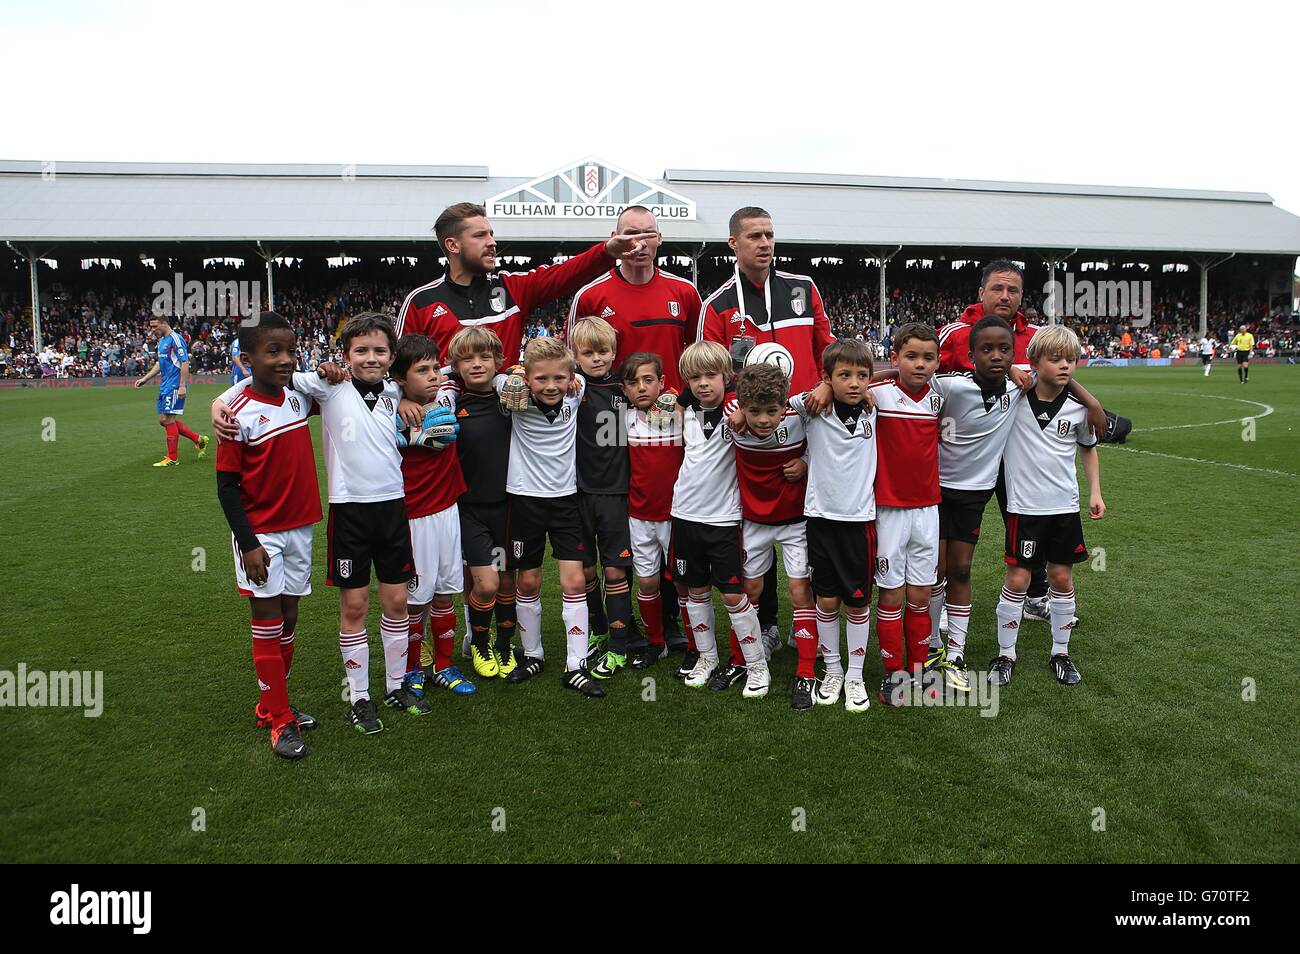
<point x="367" y="510"/>
<point x="1043" y="525"/>
<point x="542" y="494"/>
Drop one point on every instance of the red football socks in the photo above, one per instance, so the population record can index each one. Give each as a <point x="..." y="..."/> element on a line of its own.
<point x="805" y="642"/>
<point x="273" y="695"/>
<point x="172" y="431"/>
<point x="889" y="631"/>
<point x="414" y="641"/>
<point x="652" y="615"/>
<point x="916" y="629"/>
<point x="442" y="627"/>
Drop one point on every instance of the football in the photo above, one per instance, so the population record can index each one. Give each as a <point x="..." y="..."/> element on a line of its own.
<point x="772" y="353"/>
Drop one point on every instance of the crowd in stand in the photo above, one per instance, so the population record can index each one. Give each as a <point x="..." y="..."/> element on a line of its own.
<point x="99" y="332"/>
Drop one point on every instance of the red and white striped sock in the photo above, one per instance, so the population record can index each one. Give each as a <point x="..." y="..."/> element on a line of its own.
<point x="395" y="633"/>
<point x="828" y="637"/>
<point x="414" y="639"/>
<point x="744" y="626"/>
<point x="1011" y="606"/>
<point x="699" y="613"/>
<point x="652" y="616"/>
<point x="1062" y="613"/>
<point x="804" y="628"/>
<point x="273" y="696"/>
<point x="442" y="627"/>
<point x="889" y="633"/>
<point x="857" y="628"/>
<point x="356" y="663"/>
<point x="916" y="630"/>
<point x="528" y="617"/>
<point x="958" y="626"/>
<point x="574" y="614"/>
<point x="937" y="595"/>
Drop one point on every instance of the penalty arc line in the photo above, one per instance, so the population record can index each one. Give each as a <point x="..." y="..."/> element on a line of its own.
<point x="1268" y="409"/>
<point x="1199" y="460"/>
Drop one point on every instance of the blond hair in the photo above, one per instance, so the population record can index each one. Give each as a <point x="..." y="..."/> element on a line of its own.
<point x="547" y="349"/>
<point x="471" y="341"/>
<point x="1052" y="342"/>
<point x="593" y="333"/>
<point x="705" y="357"/>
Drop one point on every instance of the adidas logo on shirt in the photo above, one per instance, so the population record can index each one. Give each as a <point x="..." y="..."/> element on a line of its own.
<point x="607" y="313"/>
<point x="263" y="419"/>
<point x="440" y="310"/>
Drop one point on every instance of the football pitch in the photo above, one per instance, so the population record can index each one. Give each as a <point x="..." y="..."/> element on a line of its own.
<point x="1179" y="745"/>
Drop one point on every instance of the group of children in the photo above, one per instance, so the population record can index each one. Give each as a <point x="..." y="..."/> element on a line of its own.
<point x="446" y="480"/>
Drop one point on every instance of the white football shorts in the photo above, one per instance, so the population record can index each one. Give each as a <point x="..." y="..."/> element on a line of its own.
<point x="435" y="544"/>
<point x="650" y="542"/>
<point x="288" y="571"/>
<point x="759" y="540"/>
<point x="907" y="546"/>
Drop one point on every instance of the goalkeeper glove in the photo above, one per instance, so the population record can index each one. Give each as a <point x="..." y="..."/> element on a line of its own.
<point x="438" y="428"/>
<point x="514" y="393"/>
<point x="663" y="413"/>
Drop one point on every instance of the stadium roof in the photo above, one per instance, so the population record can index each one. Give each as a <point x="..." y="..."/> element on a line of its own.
<point x="80" y="202"/>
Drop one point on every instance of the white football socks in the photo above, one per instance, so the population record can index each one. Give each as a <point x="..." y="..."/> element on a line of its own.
<point x="828" y="637"/>
<point x="699" y="612"/>
<point x="1010" y="609"/>
<point x="1063" y="607"/>
<point x="528" y="615"/>
<point x="356" y="663"/>
<point x="958" y="626"/>
<point x="744" y="620"/>
<point x="576" y="619"/>
<point x="937" y="593"/>
<point x="858" y="628"/>
<point x="395" y="633"/>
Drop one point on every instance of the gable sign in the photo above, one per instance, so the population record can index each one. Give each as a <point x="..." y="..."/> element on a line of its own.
<point x="587" y="189"/>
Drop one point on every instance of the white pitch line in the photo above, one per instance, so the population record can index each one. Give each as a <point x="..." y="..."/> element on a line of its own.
<point x="1268" y="409"/>
<point x="1198" y="460"/>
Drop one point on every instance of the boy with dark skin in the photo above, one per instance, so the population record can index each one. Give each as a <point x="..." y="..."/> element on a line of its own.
<point x="266" y="483"/>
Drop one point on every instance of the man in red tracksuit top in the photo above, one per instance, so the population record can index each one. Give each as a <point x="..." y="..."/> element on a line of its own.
<point x="1001" y="290"/>
<point x="472" y="292"/>
<point x="759" y="304"/>
<point x="652" y="310"/>
<point x="764" y="304"/>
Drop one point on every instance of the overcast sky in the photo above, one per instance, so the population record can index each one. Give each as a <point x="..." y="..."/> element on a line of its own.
<point x="1192" y="95"/>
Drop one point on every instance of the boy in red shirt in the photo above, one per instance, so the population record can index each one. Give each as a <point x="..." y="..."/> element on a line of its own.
<point x="266" y="483"/>
<point x="907" y="505"/>
<point x="655" y="452"/>
<point x="433" y="482"/>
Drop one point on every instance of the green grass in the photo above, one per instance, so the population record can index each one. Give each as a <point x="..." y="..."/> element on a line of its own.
<point x="1197" y="594"/>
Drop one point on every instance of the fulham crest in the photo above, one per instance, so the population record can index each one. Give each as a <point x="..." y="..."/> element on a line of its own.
<point x="797" y="303"/>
